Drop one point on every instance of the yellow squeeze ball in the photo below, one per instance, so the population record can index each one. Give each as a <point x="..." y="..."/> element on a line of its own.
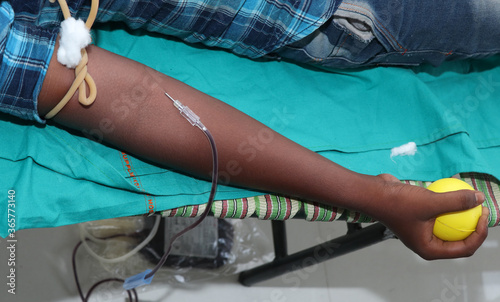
<point x="455" y="226"/>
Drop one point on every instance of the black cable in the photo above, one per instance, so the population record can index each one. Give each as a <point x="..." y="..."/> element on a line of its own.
<point x="129" y="292"/>
<point x="75" y="275"/>
<point x="85" y="298"/>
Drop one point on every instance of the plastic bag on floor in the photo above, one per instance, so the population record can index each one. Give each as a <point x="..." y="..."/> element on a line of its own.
<point x="216" y="248"/>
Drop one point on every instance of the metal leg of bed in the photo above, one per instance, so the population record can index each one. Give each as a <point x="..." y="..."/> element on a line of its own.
<point x="356" y="238"/>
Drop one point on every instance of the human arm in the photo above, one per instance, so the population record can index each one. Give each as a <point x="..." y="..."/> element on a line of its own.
<point x="132" y="113"/>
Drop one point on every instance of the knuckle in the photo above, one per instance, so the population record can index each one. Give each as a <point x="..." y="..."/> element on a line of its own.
<point x="469" y="253"/>
<point x="467" y="200"/>
<point x="426" y="255"/>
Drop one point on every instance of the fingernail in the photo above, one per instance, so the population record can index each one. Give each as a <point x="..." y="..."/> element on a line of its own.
<point x="480" y="197"/>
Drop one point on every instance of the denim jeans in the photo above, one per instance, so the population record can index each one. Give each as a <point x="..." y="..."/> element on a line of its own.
<point x="399" y="32"/>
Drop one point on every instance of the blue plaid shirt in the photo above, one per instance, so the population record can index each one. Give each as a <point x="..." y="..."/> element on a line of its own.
<point x="252" y="28"/>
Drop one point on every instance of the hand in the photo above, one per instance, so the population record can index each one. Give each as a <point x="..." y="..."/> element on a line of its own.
<point x="412" y="212"/>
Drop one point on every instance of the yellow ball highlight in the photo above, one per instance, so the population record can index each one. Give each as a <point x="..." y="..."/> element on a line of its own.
<point x="455" y="226"/>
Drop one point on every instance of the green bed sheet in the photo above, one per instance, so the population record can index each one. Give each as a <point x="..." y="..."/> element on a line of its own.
<point x="353" y="117"/>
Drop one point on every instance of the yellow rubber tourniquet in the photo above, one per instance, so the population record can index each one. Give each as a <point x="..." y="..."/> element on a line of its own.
<point x="81" y="75"/>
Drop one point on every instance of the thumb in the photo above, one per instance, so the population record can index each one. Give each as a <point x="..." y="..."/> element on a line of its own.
<point x="456" y="201"/>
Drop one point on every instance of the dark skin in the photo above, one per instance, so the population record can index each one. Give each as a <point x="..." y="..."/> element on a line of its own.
<point x="132" y="113"/>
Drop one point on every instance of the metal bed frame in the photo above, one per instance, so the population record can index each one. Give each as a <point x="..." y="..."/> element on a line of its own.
<point x="356" y="238"/>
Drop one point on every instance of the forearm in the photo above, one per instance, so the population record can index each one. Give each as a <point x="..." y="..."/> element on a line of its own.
<point x="132" y="113"/>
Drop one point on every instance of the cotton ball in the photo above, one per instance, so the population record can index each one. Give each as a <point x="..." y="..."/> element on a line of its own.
<point x="406" y="149"/>
<point x="74" y="36"/>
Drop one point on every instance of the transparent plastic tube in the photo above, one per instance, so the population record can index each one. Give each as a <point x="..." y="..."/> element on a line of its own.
<point x="147" y="276"/>
<point x="84" y="234"/>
